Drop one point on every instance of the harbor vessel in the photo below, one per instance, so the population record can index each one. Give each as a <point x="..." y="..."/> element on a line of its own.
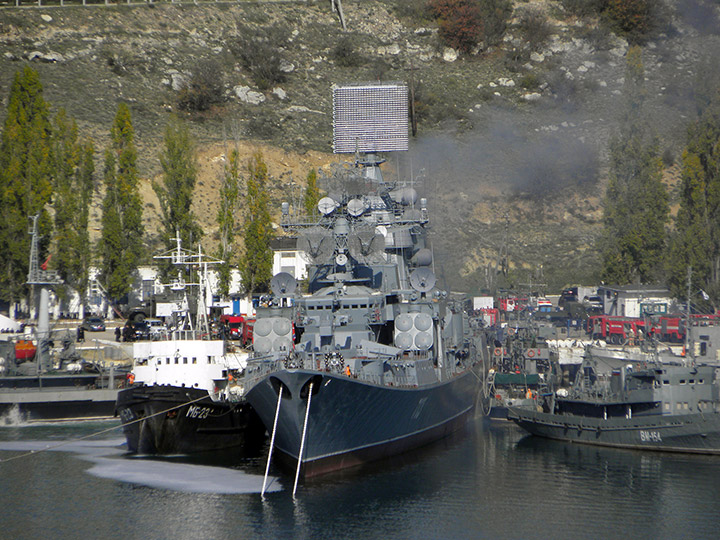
<point x="520" y="369"/>
<point x="187" y="391"/>
<point x="659" y="407"/>
<point x="186" y="397"/>
<point x="42" y="376"/>
<point x="373" y="359"/>
<point x="58" y="387"/>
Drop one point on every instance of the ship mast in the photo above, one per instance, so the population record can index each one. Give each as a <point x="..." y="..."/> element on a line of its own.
<point x="39" y="275"/>
<point x="182" y="257"/>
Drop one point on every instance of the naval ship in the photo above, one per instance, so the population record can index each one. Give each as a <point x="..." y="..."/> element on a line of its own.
<point x="373" y="359"/>
<point x="186" y="392"/>
<point x="663" y="407"/>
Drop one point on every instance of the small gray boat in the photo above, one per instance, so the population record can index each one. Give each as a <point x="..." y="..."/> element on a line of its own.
<point x="672" y="408"/>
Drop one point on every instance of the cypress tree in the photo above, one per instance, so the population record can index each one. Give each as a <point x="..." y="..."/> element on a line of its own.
<point x="229" y="197"/>
<point x="67" y="203"/>
<point x="635" y="209"/>
<point x="312" y="193"/>
<point x="178" y="161"/>
<point x="26" y="174"/>
<point x="696" y="241"/>
<point x="256" y="268"/>
<point x="122" y="228"/>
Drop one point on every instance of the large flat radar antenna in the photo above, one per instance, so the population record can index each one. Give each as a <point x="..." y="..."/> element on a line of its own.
<point x="370" y="118"/>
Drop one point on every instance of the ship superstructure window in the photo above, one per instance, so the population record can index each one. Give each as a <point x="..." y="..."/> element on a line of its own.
<point x="667" y="406"/>
<point x="167" y="360"/>
<point x="194" y="360"/>
<point x="682" y="381"/>
<point x="666" y="382"/>
<point x="691" y="381"/>
<point x="184" y="360"/>
<point x="177" y="360"/>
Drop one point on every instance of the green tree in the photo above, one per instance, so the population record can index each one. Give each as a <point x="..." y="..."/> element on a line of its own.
<point x="179" y="165"/>
<point x="25" y="179"/>
<point x="635" y="213"/>
<point x="229" y="200"/>
<point x="74" y="186"/>
<point x="635" y="209"/>
<point x="696" y="241"/>
<point x="312" y="193"/>
<point x="256" y="267"/>
<point x="122" y="228"/>
<point x="691" y="245"/>
<point x="85" y="182"/>
<point x="67" y="199"/>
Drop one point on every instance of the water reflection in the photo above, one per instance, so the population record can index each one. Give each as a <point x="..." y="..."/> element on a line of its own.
<point x="489" y="481"/>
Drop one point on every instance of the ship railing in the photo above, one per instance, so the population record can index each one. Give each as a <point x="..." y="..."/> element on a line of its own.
<point x="256" y="369"/>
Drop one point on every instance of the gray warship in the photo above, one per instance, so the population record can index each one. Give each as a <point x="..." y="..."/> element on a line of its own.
<point x="662" y="407"/>
<point x="373" y="360"/>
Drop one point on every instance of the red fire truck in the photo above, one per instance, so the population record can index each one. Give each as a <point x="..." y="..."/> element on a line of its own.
<point x="615" y="329"/>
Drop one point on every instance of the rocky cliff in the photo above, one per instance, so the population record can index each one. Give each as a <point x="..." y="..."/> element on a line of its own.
<point x="511" y="138"/>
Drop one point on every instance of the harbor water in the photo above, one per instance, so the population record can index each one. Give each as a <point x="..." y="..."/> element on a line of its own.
<point x="491" y="481"/>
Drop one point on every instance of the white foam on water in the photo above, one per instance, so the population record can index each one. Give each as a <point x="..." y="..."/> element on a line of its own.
<point x="13" y="417"/>
<point x="180" y="476"/>
<point x="107" y="463"/>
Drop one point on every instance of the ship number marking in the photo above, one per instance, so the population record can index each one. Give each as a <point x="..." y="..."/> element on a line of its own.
<point x="198" y="412"/>
<point x="650" y="436"/>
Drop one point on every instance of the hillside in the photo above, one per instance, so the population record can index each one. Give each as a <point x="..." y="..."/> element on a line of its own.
<point x="511" y="142"/>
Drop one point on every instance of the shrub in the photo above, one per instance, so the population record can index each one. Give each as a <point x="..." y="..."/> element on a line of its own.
<point x="668" y="157"/>
<point x="529" y="81"/>
<point x="636" y="19"/>
<point x="459" y="22"/>
<point x="261" y="55"/>
<point x="495" y="15"/>
<point x="414" y="10"/>
<point x="583" y="8"/>
<point x="630" y="16"/>
<point x="344" y="53"/>
<point x="535" y="28"/>
<point x="205" y="87"/>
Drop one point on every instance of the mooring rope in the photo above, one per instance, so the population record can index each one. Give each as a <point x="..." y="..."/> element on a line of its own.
<point x="272" y="441"/>
<point x="302" y="441"/>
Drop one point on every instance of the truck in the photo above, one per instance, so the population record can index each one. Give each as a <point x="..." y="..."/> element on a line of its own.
<point x="576" y="293"/>
<point x="615" y="330"/>
<point x="238" y="327"/>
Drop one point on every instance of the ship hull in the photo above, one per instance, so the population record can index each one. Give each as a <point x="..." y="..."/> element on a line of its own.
<point x="689" y="433"/>
<point x="171" y="420"/>
<point x="353" y="422"/>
